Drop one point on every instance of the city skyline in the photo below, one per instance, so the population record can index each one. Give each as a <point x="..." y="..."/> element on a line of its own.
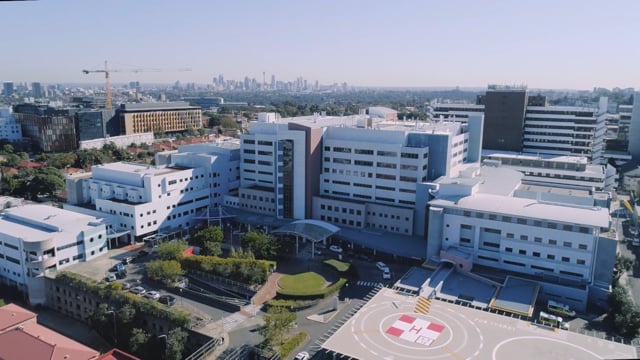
<point x="568" y="45"/>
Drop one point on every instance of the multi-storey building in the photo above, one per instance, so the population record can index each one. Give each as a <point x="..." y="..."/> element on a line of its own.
<point x="562" y="171"/>
<point x="96" y="124"/>
<point x="159" y="117"/>
<point x="383" y="113"/>
<point x="9" y="128"/>
<point x="145" y="199"/>
<point x="490" y="215"/>
<point x="50" y="129"/>
<point x="634" y="128"/>
<point x="354" y="171"/>
<point x="221" y="161"/>
<point x="519" y="123"/>
<point x="36" y="239"/>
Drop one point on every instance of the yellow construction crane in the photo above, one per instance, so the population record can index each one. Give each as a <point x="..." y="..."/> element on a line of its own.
<point x="107" y="71"/>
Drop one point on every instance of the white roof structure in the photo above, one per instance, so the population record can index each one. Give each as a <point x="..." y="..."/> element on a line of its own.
<point x="41" y="222"/>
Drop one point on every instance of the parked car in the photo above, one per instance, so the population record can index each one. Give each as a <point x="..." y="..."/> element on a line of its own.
<point x="143" y="253"/>
<point x="382" y="266"/>
<point x="126" y="285"/>
<point x="153" y="295"/>
<point x="386" y="274"/>
<point x="117" y="267"/>
<point x="138" y="290"/>
<point x="302" y="356"/>
<point x="167" y="300"/>
<point x="336" y="249"/>
<point x="111" y="277"/>
<point x="127" y="260"/>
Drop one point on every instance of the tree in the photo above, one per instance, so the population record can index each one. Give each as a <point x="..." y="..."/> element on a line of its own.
<point x="277" y="321"/>
<point x="228" y="123"/>
<point x="166" y="271"/>
<point x="176" y="340"/>
<point x="138" y="341"/>
<point x="260" y="244"/>
<point x="8" y="149"/>
<point x="120" y="154"/>
<point x="172" y="250"/>
<point x="202" y="132"/>
<point x="623" y="264"/>
<point x="211" y="233"/>
<point x="88" y="158"/>
<point x="47" y="181"/>
<point x="211" y="248"/>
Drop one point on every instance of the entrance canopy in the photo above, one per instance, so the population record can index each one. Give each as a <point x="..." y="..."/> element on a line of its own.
<point x="314" y="230"/>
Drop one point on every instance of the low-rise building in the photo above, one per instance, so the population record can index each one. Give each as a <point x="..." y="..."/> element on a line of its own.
<point x="9" y="128"/>
<point x="159" y="117"/>
<point x="144" y="199"/>
<point x="21" y="337"/>
<point x="535" y="232"/>
<point x="35" y="239"/>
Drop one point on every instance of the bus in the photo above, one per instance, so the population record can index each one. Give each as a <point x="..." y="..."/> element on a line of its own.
<point x="553" y="321"/>
<point x="560" y="309"/>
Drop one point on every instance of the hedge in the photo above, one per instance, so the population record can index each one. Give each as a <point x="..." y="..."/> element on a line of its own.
<point x="248" y="271"/>
<point x="112" y="294"/>
<point x="341" y="266"/>
<point x="292" y="343"/>
<point x="326" y="292"/>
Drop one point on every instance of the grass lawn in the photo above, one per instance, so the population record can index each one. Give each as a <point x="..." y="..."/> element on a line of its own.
<point x="303" y="283"/>
<point x="338" y="265"/>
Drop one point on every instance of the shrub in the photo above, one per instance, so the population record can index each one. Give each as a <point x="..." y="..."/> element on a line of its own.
<point x="292" y="343"/>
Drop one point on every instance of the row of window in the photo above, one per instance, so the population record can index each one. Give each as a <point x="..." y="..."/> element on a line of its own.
<point x="370" y="152"/>
<point x="521" y="221"/>
<point x="532" y="266"/>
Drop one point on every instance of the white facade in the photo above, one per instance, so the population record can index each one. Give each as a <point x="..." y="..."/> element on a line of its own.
<point x="35" y="239"/>
<point x="634" y="128"/>
<point x="565" y="130"/>
<point x="479" y="213"/>
<point x="9" y="128"/>
<point x="383" y="113"/>
<point x="145" y="199"/>
<point x="120" y="141"/>
<point x="564" y="171"/>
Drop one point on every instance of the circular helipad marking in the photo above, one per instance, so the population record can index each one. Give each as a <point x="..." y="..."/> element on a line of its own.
<point x="540" y="350"/>
<point x="455" y="323"/>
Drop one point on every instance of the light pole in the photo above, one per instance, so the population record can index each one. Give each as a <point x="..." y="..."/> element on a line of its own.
<point x="115" y="330"/>
<point x="166" y="345"/>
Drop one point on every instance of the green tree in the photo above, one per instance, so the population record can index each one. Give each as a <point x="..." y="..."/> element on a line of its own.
<point x="202" y="132"/>
<point x="8" y="149"/>
<point x="623" y="264"/>
<point x="166" y="271"/>
<point x="228" y="123"/>
<point x="172" y="250"/>
<point x="176" y="340"/>
<point x="211" y="233"/>
<point x="120" y="154"/>
<point x="260" y="244"/>
<point x="90" y="157"/>
<point x="278" y="321"/>
<point x="47" y="181"/>
<point x="138" y="341"/>
<point x="211" y="248"/>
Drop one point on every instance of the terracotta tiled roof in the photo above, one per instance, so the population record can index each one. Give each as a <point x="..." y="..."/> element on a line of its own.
<point x="117" y="354"/>
<point x="12" y="315"/>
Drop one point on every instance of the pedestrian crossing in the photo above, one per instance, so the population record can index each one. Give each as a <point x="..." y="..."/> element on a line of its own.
<point x="231" y="321"/>
<point x="369" y="283"/>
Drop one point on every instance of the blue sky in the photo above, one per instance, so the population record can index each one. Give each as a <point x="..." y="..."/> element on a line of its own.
<point x="543" y="44"/>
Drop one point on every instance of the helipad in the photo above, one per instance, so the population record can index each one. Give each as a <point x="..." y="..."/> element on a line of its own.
<point x="388" y="327"/>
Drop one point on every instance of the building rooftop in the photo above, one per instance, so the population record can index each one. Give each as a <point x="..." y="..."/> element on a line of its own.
<point x="139" y="168"/>
<point x="178" y="105"/>
<point x="30" y="340"/>
<point x="39" y="222"/>
<point x="12" y="315"/>
<point x="529" y="208"/>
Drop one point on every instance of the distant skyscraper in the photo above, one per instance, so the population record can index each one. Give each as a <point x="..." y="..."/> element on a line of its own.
<point x="504" y="109"/>
<point x="36" y="89"/>
<point x="7" y="88"/>
<point x="634" y="128"/>
<point x="273" y="82"/>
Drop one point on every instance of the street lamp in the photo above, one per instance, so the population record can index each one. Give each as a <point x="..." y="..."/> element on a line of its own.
<point x="166" y="345"/>
<point x="115" y="330"/>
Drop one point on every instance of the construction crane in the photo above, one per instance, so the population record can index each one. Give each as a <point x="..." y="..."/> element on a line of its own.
<point x="107" y="77"/>
<point x="631" y="206"/>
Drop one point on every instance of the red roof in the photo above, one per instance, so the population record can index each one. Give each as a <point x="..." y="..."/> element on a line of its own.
<point x="117" y="354"/>
<point x="23" y="339"/>
<point x="12" y="315"/>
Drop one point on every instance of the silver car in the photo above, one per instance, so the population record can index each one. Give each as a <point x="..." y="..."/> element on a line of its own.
<point x="138" y="290"/>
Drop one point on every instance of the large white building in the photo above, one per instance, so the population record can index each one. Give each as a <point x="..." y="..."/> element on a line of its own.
<point x="500" y="222"/>
<point x="353" y="171"/>
<point x="9" y="128"/>
<point x="35" y="239"/>
<point x="145" y="199"/>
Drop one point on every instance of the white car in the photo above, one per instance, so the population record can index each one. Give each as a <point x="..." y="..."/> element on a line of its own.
<point x="302" y="356"/>
<point x="138" y="290"/>
<point x="382" y="266"/>
<point x="153" y="295"/>
<point x="386" y="274"/>
<point x="336" y="248"/>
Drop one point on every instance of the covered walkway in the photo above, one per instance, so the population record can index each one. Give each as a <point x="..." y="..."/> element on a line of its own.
<point x="313" y="230"/>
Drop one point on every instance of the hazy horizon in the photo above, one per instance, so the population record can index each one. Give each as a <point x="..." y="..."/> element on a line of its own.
<point x="411" y="44"/>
